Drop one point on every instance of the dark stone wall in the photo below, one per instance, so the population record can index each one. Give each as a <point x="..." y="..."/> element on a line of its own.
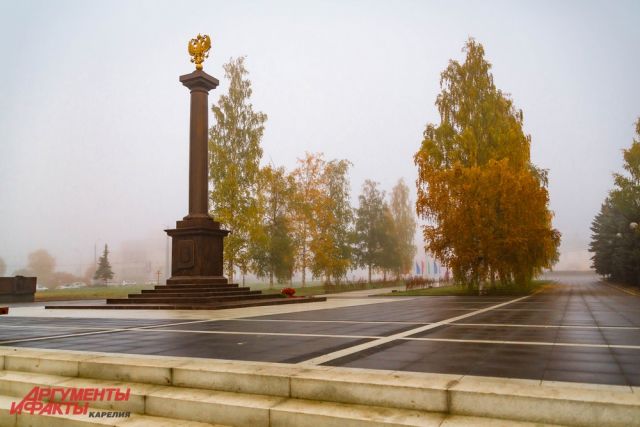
<point x="17" y="289"/>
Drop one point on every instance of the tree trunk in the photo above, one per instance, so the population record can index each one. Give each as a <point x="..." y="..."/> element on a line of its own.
<point x="369" y="273"/>
<point x="304" y="264"/>
<point x="230" y="270"/>
<point x="271" y="280"/>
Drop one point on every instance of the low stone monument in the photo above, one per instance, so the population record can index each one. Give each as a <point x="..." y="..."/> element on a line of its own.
<point x="17" y="289"/>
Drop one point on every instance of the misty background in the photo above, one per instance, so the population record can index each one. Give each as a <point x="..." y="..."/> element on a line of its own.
<point x="94" y="123"/>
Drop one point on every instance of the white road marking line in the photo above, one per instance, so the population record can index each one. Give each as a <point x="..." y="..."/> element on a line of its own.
<point x="61" y="336"/>
<point x="355" y="349"/>
<point x="104" y="331"/>
<point x="356" y="322"/>
<point x="353" y="322"/>
<point x="567" y="344"/>
<point x="186" y="322"/>
<point x="52" y="327"/>
<point x="259" y="333"/>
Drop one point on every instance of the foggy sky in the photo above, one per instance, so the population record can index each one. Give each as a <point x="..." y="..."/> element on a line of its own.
<point x="94" y="123"/>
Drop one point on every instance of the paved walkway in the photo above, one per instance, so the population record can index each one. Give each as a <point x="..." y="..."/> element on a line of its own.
<point x="580" y="330"/>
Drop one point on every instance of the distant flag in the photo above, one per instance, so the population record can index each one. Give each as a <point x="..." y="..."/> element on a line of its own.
<point x="417" y="269"/>
<point x="435" y="267"/>
<point x="422" y="265"/>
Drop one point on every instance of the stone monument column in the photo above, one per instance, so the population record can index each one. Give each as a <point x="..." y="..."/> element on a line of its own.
<point x="197" y="240"/>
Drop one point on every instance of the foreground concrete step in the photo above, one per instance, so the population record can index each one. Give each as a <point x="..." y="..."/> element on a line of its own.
<point x="18" y="384"/>
<point x="151" y="399"/>
<point x="134" y="420"/>
<point x="166" y="405"/>
<point x="290" y="386"/>
<point x="217" y="406"/>
<point x="294" y="413"/>
<point x="244" y="410"/>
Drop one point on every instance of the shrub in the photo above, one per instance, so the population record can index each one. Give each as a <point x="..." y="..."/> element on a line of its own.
<point x="418" y="283"/>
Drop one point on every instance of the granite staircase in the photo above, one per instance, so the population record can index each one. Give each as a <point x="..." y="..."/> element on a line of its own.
<point x="190" y="392"/>
<point x="206" y="294"/>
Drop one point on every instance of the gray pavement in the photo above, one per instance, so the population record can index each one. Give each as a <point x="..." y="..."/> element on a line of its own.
<point x="580" y="330"/>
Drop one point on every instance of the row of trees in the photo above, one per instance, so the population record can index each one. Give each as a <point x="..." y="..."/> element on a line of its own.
<point x="300" y="221"/>
<point x="615" y="242"/>
<point x="485" y="204"/>
<point x="384" y="232"/>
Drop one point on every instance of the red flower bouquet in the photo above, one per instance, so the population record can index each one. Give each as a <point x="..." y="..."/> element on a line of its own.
<point x="289" y="292"/>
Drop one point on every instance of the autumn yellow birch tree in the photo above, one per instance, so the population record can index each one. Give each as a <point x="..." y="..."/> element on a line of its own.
<point x="234" y="164"/>
<point x="271" y="244"/>
<point x="305" y="200"/>
<point x="332" y="237"/>
<point x="484" y="202"/>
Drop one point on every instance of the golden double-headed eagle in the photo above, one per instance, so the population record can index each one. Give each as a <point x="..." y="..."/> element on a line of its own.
<point x="199" y="50"/>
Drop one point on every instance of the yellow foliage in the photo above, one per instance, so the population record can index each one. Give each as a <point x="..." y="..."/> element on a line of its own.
<point x="484" y="202"/>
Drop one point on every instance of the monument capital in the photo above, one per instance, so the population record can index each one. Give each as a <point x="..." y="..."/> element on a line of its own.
<point x="199" y="80"/>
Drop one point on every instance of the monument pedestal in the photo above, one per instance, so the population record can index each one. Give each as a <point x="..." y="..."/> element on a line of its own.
<point x="196" y="252"/>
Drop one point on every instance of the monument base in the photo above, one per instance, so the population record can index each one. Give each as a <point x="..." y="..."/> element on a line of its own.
<point x="196" y="251"/>
<point x="197" y="281"/>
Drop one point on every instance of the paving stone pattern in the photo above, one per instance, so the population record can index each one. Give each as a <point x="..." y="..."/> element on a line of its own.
<point x="580" y="330"/>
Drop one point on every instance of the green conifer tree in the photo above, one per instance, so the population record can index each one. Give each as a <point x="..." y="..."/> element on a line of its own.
<point x="104" y="271"/>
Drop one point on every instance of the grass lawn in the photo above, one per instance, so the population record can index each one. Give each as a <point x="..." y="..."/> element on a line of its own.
<point x="464" y="291"/>
<point x="90" y="292"/>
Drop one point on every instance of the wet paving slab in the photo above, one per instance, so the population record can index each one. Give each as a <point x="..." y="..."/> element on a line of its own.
<point x="574" y="332"/>
<point x="80" y="322"/>
<point x="247" y="347"/>
<point x="521" y="317"/>
<point x="418" y="310"/>
<point x="561" y="335"/>
<point x="297" y="327"/>
<point x="7" y="335"/>
<point x="489" y="333"/>
<point x="579" y="330"/>
<point x="540" y="362"/>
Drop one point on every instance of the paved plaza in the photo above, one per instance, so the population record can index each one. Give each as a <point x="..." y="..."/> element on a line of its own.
<point x="579" y="330"/>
